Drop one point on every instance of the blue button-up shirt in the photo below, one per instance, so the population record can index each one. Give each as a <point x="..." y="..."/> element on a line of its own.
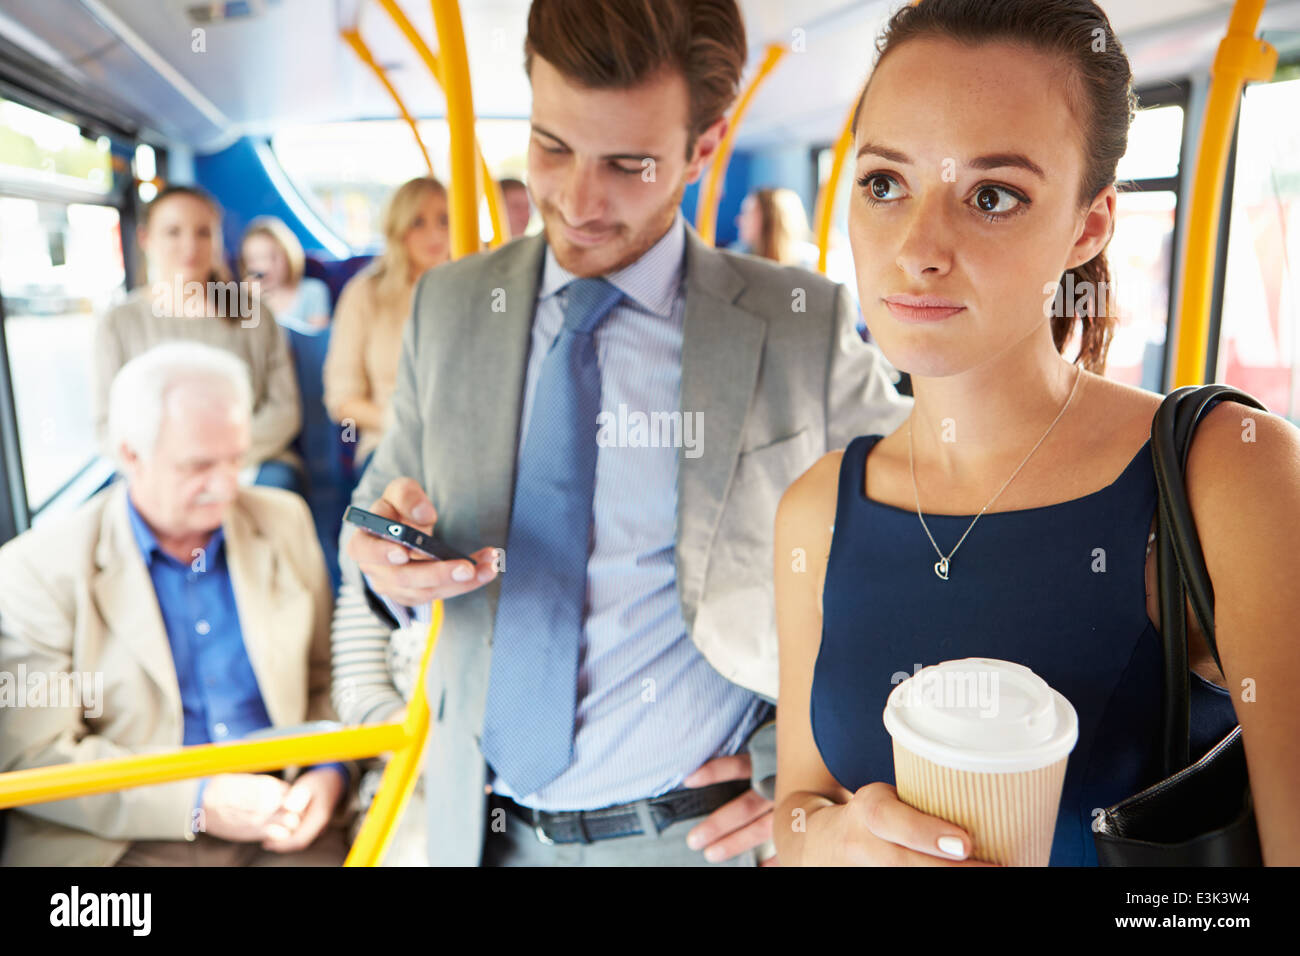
<point x="220" y="698"/>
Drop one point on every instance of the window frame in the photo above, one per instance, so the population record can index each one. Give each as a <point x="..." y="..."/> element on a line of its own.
<point x="1219" y="287"/>
<point x="1168" y="93"/>
<point x="16" y="512"/>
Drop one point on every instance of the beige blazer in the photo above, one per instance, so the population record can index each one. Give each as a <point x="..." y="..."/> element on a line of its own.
<point x="76" y="597"/>
<point x="365" y="345"/>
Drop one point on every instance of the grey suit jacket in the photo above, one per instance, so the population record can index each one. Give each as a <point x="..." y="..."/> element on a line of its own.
<point x="772" y="363"/>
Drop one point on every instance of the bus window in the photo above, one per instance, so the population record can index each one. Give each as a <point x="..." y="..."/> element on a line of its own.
<point x="44" y="152"/>
<point x="1140" y="253"/>
<point x="1139" y="256"/>
<point x="60" y="266"/>
<point x="1259" y="349"/>
<point x="348" y="170"/>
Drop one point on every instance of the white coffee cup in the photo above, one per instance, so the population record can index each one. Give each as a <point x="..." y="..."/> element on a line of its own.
<point x="984" y="744"/>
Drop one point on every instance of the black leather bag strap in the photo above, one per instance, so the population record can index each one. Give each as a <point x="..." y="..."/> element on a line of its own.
<point x="1180" y="564"/>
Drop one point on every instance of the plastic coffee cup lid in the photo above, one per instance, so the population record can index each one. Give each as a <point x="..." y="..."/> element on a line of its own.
<point x="982" y="715"/>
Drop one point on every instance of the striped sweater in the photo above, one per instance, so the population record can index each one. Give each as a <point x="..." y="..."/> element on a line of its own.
<point x="374" y="668"/>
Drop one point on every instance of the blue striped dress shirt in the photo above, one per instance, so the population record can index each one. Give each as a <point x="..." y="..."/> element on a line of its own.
<point x="650" y="709"/>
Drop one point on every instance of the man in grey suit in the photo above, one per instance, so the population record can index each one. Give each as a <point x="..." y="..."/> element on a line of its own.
<point x="619" y="408"/>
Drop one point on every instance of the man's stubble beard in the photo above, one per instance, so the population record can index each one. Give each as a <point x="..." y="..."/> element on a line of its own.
<point x="640" y="244"/>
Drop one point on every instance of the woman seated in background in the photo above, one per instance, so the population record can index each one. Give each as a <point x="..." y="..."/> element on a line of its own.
<point x="271" y="255"/>
<point x="773" y="225"/>
<point x="373" y="308"/>
<point x="985" y="175"/>
<point x="374" y="670"/>
<point x="190" y="296"/>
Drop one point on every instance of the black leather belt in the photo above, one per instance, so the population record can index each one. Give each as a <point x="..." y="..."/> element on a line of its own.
<point x="625" y="819"/>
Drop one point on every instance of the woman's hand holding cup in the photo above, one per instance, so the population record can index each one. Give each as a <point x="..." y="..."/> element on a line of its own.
<point x="875" y="828"/>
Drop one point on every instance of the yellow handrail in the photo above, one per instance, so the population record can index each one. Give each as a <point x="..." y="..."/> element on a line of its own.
<point x="403" y="768"/>
<point x="830" y="189"/>
<point x="1241" y="57"/>
<point x="706" y="209"/>
<point x="460" y="120"/>
<point x="405" y="740"/>
<point x="354" y="40"/>
<point x="491" y="189"/>
<point x="39" y="784"/>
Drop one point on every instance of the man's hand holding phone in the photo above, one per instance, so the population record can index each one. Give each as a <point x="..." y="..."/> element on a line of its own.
<point x="404" y="575"/>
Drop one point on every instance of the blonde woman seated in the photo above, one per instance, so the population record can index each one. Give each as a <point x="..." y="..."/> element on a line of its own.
<point x="374" y="671"/>
<point x="366" y="341"/>
<point x="271" y="255"/>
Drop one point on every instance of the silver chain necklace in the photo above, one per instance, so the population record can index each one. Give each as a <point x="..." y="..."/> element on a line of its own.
<point x="941" y="566"/>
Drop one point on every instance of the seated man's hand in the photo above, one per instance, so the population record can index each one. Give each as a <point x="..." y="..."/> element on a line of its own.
<point x="304" y="811"/>
<point x="737" y="826"/>
<point x="406" y="576"/>
<point x="238" y="806"/>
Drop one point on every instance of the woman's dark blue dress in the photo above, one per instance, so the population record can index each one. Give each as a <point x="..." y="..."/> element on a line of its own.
<point x="1059" y="589"/>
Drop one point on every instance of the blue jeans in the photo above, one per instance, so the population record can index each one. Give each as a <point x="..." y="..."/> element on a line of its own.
<point x="279" y="474"/>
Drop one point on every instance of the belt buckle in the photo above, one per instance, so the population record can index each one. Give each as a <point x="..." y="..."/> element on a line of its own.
<point x="540" y="831"/>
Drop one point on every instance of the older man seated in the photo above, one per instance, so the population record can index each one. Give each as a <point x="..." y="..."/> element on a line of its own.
<point x="198" y="611"/>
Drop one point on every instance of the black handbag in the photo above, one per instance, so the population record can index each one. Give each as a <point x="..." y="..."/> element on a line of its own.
<point x="1202" y="814"/>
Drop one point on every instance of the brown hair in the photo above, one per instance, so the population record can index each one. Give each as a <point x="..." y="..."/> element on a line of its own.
<point x="1099" y="92"/>
<point x="785" y="225"/>
<point x="618" y="44"/>
<point x="219" y="273"/>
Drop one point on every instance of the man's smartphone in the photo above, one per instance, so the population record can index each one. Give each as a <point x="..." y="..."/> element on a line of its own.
<point x="403" y="534"/>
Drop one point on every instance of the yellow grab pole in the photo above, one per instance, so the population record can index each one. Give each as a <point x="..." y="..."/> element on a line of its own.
<point x="40" y="784"/>
<point x="460" y="120"/>
<point x="706" y="209"/>
<point x="825" y="210"/>
<point x="830" y="189"/>
<point x="1241" y="57"/>
<point x="404" y="765"/>
<point x="495" y="201"/>
<point x="403" y="768"/>
<point x="398" y="16"/>
<point x="354" y="40"/>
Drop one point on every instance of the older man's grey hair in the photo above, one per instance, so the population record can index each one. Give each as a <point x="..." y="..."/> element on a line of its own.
<point x="138" y="396"/>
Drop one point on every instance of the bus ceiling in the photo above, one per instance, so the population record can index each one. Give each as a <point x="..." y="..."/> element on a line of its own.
<point x="201" y="81"/>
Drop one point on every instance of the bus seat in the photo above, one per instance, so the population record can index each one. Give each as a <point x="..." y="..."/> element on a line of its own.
<point x="325" y="455"/>
<point x="335" y="273"/>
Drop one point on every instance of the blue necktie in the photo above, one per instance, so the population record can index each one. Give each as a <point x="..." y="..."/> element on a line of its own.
<point x="533" y="686"/>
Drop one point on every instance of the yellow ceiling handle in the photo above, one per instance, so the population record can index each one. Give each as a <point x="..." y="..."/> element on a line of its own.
<point x="358" y="45"/>
<point x="830" y="190"/>
<point x="706" y="209"/>
<point x="492" y="190"/>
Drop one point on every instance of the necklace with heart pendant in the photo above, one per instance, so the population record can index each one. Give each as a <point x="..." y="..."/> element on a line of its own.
<point x="941" y="566"/>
